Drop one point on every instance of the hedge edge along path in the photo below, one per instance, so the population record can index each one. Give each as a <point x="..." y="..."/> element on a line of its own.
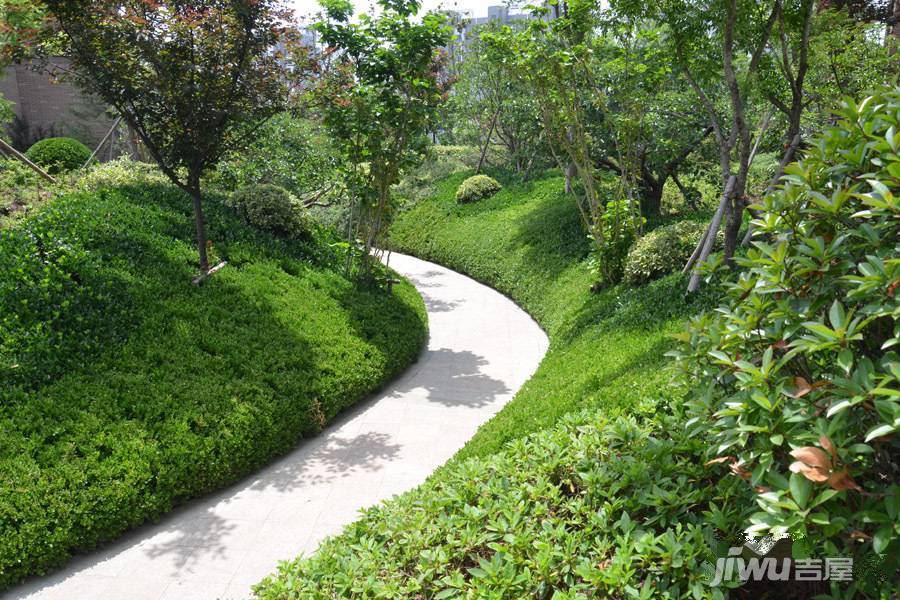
<point x="482" y="348"/>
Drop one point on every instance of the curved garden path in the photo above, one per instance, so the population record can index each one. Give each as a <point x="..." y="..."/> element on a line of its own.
<point x="482" y="348"/>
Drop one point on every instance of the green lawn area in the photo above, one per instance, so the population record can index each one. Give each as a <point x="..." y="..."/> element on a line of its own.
<point x="586" y="484"/>
<point x="606" y="348"/>
<point x="126" y="390"/>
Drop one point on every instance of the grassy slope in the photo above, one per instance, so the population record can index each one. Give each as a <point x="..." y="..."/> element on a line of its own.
<point x="606" y="348"/>
<point x="125" y="390"/>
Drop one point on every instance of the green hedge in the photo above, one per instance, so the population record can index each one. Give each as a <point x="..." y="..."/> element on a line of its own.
<point x="664" y="250"/>
<point x="59" y="154"/>
<point x="270" y="208"/>
<point x="126" y="390"/>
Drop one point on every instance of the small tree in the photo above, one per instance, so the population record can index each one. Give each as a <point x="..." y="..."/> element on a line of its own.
<point x="193" y="78"/>
<point x="379" y="98"/>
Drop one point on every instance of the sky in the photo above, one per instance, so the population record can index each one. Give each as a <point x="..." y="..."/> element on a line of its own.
<point x="479" y="7"/>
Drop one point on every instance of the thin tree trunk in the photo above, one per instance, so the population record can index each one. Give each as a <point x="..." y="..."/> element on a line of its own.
<point x="710" y="237"/>
<point x="199" y="221"/>
<point x="487" y="142"/>
<point x="571" y="173"/>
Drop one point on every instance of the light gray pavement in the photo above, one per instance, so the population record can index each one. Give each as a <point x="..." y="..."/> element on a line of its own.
<point x="482" y="348"/>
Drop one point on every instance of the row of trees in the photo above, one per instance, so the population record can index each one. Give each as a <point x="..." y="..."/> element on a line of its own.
<point x="196" y="79"/>
<point x="638" y="91"/>
<point x="620" y="92"/>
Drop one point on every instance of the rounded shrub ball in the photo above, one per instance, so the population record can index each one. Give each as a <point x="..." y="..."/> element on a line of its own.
<point x="662" y="251"/>
<point x="477" y="188"/>
<point x="59" y="154"/>
<point x="270" y="208"/>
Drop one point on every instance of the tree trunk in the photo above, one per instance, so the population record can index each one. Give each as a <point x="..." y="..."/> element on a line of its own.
<point x="709" y="239"/>
<point x="199" y="221"/>
<point x="651" y="194"/>
<point x="571" y="173"/>
<point x="893" y="37"/>
<point x="487" y="142"/>
<point x="734" y="212"/>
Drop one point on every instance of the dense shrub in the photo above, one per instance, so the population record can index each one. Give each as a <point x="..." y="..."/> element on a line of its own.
<point x="477" y="188"/>
<point x="797" y="374"/>
<point x="59" y="154"/>
<point x="125" y="389"/>
<point x="572" y="512"/>
<point x="270" y="208"/>
<point x="662" y="251"/>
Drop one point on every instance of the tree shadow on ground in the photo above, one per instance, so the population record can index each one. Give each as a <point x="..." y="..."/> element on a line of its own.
<point x="452" y="378"/>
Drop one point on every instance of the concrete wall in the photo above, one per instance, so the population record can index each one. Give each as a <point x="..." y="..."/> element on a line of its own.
<point x="46" y="101"/>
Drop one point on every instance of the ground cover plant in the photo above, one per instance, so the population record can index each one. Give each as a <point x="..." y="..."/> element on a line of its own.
<point x="125" y="389"/>
<point x="571" y="512"/>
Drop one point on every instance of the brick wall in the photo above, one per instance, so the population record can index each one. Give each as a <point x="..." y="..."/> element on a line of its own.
<point x="45" y="101"/>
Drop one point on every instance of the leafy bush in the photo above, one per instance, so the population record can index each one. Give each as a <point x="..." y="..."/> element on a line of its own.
<point x="121" y="172"/>
<point x="797" y="373"/>
<point x="270" y="208"/>
<point x="126" y="390"/>
<point x="287" y="151"/>
<point x="59" y="154"/>
<point x="662" y="251"/>
<point x="572" y="512"/>
<point x="477" y="188"/>
<point x="617" y="227"/>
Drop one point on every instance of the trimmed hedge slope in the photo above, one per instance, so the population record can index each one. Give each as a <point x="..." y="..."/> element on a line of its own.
<point x="125" y="389"/>
<point x="527" y="242"/>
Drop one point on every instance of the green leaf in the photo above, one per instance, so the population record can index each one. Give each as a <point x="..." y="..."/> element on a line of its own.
<point x="800" y="489"/>
<point x="879" y="431"/>
<point x="882" y="539"/>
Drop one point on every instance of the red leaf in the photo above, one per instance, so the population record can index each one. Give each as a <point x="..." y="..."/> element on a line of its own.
<point x="826" y="443"/>
<point x="812" y="473"/>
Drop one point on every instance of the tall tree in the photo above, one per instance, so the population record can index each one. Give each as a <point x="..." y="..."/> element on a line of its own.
<point x="193" y="78"/>
<point x="720" y="46"/>
<point x="379" y="96"/>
